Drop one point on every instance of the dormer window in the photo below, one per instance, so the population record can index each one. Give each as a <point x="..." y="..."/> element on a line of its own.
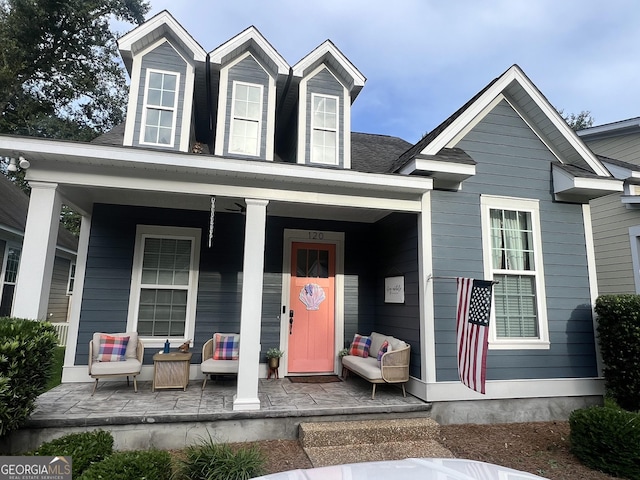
<point x="160" y="107"/>
<point x="246" y="122"/>
<point x="324" y="129"/>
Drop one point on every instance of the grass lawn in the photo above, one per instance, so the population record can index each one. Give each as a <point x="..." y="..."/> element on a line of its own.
<point x="58" y="360"/>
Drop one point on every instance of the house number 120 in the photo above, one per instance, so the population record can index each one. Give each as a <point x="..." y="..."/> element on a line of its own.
<point x="316" y="235"/>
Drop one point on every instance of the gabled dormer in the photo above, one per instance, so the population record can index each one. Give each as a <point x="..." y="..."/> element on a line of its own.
<point x="248" y="71"/>
<point x="161" y="58"/>
<point x="328" y="85"/>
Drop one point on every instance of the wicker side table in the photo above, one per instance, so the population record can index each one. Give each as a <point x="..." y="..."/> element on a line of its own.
<point x="171" y="370"/>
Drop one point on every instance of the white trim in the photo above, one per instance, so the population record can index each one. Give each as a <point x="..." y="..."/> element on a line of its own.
<point x="313" y="236"/>
<point x="514" y="74"/>
<point x="76" y="301"/>
<point x="488" y="203"/>
<point x="243" y="38"/>
<point x="50" y="152"/>
<point x="315" y="129"/>
<point x="593" y="279"/>
<point x="301" y="156"/>
<point x="234" y="117"/>
<point x="7" y="246"/>
<point x="146" y="107"/>
<point x="634" y="240"/>
<point x="271" y="120"/>
<point x="427" y="313"/>
<point x="346" y="149"/>
<point x="525" y="388"/>
<point x="187" y="108"/>
<point x="72" y="268"/>
<point x="142" y="232"/>
<point x="164" y="18"/>
<point x="328" y="48"/>
<point x="218" y="148"/>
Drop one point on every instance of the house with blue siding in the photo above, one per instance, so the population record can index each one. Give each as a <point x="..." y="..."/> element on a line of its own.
<point x="616" y="217"/>
<point x="236" y="183"/>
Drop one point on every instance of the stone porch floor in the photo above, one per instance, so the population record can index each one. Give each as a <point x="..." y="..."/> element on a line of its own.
<point x="174" y="418"/>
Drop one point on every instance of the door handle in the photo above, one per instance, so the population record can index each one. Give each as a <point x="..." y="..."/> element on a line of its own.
<point x="290" y="322"/>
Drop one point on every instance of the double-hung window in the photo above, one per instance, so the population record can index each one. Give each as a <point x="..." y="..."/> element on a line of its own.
<point x="161" y="98"/>
<point x="9" y="279"/>
<point x="164" y="282"/>
<point x="513" y="258"/>
<point x="324" y="129"/>
<point x="246" y="122"/>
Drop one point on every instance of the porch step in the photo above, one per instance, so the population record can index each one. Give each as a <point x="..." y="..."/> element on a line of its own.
<point x="334" y="443"/>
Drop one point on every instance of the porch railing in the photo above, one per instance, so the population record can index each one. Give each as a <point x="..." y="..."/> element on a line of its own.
<point x="62" y="329"/>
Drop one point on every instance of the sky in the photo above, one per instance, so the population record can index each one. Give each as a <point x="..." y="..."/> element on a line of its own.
<point x="423" y="59"/>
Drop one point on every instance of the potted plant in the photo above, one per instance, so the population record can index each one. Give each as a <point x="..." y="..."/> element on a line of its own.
<point x="273" y="356"/>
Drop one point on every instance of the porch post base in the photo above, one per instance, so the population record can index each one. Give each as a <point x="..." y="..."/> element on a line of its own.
<point x="245" y="404"/>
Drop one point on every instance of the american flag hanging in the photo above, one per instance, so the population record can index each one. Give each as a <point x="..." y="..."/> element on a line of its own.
<point x="472" y="327"/>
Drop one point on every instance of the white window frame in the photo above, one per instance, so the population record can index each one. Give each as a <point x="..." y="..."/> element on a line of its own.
<point x="634" y="239"/>
<point x="3" y="273"/>
<point x="315" y="129"/>
<point x="488" y="203"/>
<point x="235" y="117"/>
<point x="182" y="233"/>
<point x="146" y="107"/>
<point x="72" y="278"/>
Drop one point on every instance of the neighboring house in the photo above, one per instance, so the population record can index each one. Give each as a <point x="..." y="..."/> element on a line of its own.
<point x="616" y="218"/>
<point x="13" y="217"/>
<point x="236" y="182"/>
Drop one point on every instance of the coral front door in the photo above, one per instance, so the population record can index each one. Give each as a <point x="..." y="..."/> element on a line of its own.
<point x="312" y="308"/>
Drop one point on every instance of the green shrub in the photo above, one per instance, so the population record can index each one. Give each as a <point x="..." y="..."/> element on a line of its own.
<point x="607" y="439"/>
<point x="84" y="448"/>
<point x="212" y="461"/>
<point x="26" y="358"/>
<point x="619" y="337"/>
<point x="134" y="465"/>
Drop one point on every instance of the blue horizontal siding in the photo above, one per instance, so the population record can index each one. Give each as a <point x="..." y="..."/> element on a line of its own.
<point x="513" y="162"/>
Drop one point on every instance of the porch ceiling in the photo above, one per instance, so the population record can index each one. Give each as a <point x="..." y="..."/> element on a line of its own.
<point x="90" y="174"/>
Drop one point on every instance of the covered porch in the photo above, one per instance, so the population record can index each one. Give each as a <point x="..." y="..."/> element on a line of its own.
<point x="257" y="204"/>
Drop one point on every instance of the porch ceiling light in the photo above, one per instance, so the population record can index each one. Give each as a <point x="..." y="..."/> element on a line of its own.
<point x="13" y="164"/>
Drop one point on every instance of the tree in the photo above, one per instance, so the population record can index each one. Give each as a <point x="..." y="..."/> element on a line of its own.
<point x="59" y="70"/>
<point x="578" y="121"/>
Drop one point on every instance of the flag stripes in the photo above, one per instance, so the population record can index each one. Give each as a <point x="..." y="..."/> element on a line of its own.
<point x="472" y="331"/>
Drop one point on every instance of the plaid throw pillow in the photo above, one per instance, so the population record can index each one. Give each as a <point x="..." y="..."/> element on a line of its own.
<point x="383" y="349"/>
<point x="360" y="346"/>
<point x="112" y="349"/>
<point x="226" y="347"/>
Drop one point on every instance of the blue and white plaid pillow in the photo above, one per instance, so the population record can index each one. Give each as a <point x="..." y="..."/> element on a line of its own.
<point x="226" y="347"/>
<point x="112" y="349"/>
<point x="360" y="346"/>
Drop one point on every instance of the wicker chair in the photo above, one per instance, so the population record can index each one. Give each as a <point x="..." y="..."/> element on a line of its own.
<point x="130" y="366"/>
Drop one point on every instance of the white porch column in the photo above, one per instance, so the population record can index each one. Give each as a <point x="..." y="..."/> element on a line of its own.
<point x="251" y="307"/>
<point x="38" y="252"/>
<point x="427" y="315"/>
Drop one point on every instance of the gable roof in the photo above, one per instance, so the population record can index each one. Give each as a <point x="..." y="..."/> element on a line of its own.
<point x="525" y="98"/>
<point x="245" y="40"/>
<point x="151" y="30"/>
<point x="329" y="54"/>
<point x="622" y="127"/>
<point x="13" y="214"/>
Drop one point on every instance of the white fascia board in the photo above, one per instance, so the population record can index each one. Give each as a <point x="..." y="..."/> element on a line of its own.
<point x="475" y="109"/>
<point x="328" y="47"/>
<point x="148" y="159"/>
<point x="610" y="129"/>
<point x="435" y="166"/>
<point x="620" y="172"/>
<point x="564" y="182"/>
<point x="236" y="42"/>
<point x="126" y="42"/>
